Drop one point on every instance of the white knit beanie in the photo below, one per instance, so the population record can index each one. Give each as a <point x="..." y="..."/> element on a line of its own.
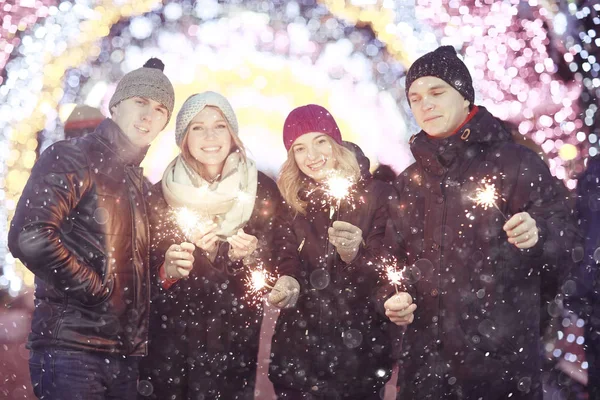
<point x="196" y="103"/>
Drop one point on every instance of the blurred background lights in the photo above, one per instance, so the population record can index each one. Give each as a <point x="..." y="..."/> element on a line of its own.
<point x="535" y="65"/>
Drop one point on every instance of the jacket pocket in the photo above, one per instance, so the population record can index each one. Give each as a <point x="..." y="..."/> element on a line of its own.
<point x="109" y="286"/>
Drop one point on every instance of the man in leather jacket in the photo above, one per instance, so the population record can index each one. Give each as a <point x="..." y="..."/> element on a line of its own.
<point x="81" y="227"/>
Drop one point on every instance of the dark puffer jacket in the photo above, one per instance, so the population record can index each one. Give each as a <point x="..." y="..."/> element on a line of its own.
<point x="333" y="343"/>
<point x="204" y="334"/>
<point x="476" y="329"/>
<point x="80" y="226"/>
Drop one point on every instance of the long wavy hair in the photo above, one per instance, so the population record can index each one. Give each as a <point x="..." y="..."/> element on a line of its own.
<point x="236" y="145"/>
<point x="292" y="181"/>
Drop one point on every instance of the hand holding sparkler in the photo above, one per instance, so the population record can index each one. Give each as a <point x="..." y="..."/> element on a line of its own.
<point x="285" y="292"/>
<point x="337" y="187"/>
<point x="400" y="309"/>
<point x="206" y="239"/>
<point x="394" y="276"/>
<point x="257" y="282"/>
<point x="522" y="230"/>
<point x="241" y="245"/>
<point x="179" y="260"/>
<point x="346" y="238"/>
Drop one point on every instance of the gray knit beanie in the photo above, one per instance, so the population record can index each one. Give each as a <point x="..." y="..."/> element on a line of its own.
<point x="196" y="103"/>
<point x="149" y="82"/>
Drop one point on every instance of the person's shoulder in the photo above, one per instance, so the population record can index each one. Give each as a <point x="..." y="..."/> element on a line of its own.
<point x="510" y="152"/>
<point x="155" y="191"/>
<point x="412" y="175"/>
<point x="378" y="188"/>
<point x="155" y="197"/>
<point x="63" y="156"/>
<point x="266" y="180"/>
<point x="267" y="185"/>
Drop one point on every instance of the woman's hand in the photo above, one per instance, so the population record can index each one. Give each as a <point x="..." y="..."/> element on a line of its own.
<point x="285" y="292"/>
<point x="241" y="245"/>
<point x="179" y="260"/>
<point x="207" y="239"/>
<point x="346" y="238"/>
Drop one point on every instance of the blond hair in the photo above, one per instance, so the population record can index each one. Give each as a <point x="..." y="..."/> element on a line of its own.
<point x="291" y="180"/>
<point x="237" y="145"/>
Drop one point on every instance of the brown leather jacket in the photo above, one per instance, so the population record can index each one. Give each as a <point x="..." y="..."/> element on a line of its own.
<point x="81" y="227"/>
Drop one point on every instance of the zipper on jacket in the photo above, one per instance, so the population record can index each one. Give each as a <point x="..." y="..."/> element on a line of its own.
<point x="129" y="171"/>
<point x="441" y="258"/>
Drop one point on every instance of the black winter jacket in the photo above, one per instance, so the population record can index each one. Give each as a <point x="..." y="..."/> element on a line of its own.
<point x="80" y="226"/>
<point x="333" y="343"/>
<point x="204" y="334"/>
<point x="476" y="329"/>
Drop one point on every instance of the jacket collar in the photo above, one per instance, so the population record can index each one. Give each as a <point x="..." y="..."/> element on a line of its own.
<point x="436" y="156"/>
<point x="109" y="133"/>
<point x="315" y="193"/>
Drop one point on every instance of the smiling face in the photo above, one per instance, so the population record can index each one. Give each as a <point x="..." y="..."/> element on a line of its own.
<point x="141" y="119"/>
<point x="438" y="108"/>
<point x="313" y="153"/>
<point x="209" y="140"/>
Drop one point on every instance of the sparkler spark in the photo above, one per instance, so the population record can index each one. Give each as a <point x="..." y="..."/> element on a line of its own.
<point x="190" y="222"/>
<point x="391" y="273"/>
<point x="394" y="276"/>
<point x="337" y="187"/>
<point x="487" y="196"/>
<point x="257" y="281"/>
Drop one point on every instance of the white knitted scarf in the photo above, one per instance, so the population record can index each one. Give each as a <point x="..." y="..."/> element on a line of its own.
<point x="228" y="202"/>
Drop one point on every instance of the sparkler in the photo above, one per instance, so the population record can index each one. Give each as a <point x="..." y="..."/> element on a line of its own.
<point x="394" y="276"/>
<point x="486" y="197"/>
<point x="391" y="273"/>
<point x="257" y="281"/>
<point x="337" y="187"/>
<point x="190" y="222"/>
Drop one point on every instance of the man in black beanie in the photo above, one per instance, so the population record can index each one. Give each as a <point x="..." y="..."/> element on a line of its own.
<point x="474" y="263"/>
<point x="81" y="227"/>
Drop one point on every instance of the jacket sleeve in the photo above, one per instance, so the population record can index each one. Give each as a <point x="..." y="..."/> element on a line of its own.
<point x="58" y="181"/>
<point x="583" y="296"/>
<point x="266" y="208"/>
<point x="163" y="233"/>
<point x="373" y="249"/>
<point x="394" y="247"/>
<point x="546" y="199"/>
<point x="286" y="245"/>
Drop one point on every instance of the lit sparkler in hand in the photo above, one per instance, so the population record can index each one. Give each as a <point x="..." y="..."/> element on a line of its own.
<point x="190" y="222"/>
<point x="487" y="196"/>
<point x="257" y="281"/>
<point x="391" y="272"/>
<point x="337" y="187"/>
<point x="394" y="276"/>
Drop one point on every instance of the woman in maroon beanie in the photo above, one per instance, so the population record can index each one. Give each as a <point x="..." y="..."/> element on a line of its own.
<point x="329" y="342"/>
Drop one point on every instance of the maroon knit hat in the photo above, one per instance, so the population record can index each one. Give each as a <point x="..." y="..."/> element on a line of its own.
<point x="306" y="119"/>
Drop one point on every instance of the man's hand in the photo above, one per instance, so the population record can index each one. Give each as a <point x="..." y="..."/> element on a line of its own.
<point x="346" y="238"/>
<point x="400" y="309"/>
<point x="179" y="260"/>
<point x="522" y="230"/>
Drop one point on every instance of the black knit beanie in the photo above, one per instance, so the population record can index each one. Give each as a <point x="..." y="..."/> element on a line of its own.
<point x="443" y="63"/>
